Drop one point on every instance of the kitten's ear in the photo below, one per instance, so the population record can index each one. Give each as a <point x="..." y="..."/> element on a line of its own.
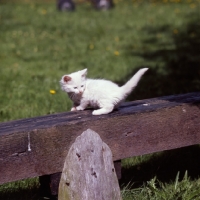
<point x="67" y="78"/>
<point x="83" y="72"/>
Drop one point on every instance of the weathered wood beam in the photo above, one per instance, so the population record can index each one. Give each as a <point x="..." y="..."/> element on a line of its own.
<point x="38" y="146"/>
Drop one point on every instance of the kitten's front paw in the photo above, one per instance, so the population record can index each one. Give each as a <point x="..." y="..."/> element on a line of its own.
<point x="79" y="108"/>
<point x="73" y="109"/>
<point x="96" y="112"/>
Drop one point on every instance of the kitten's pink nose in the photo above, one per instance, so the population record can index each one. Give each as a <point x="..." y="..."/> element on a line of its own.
<point x="80" y="92"/>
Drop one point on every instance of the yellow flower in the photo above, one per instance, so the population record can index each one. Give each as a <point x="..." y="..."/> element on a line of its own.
<point x="43" y="12"/>
<point x="192" y="5"/>
<point x="175" y="31"/>
<point x="91" y="46"/>
<point x="159" y="35"/>
<point x="117" y="39"/>
<point x="177" y="10"/>
<point x="116" y="53"/>
<point x="193" y="34"/>
<point x="52" y="91"/>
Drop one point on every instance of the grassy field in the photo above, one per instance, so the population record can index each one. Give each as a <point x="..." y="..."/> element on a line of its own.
<point x="38" y="45"/>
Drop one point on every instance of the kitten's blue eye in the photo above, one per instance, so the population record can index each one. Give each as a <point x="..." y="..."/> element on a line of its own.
<point x="75" y="87"/>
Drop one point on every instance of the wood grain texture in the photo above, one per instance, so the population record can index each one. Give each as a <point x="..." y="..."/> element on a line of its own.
<point x="38" y="146"/>
<point x="88" y="171"/>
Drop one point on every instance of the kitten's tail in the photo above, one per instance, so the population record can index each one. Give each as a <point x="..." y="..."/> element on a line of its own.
<point x="132" y="83"/>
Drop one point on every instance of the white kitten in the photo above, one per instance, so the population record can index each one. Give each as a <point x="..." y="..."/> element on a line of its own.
<point x="102" y="94"/>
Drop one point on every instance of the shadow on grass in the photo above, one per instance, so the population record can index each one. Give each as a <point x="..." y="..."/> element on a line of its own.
<point x="177" y="68"/>
<point x="14" y="191"/>
<point x="178" y="73"/>
<point x="164" y="166"/>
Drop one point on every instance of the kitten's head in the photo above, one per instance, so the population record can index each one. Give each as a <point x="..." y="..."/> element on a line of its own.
<point x="74" y="82"/>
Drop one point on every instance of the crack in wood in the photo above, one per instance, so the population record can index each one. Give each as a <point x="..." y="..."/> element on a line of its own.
<point x="67" y="183"/>
<point x="79" y="156"/>
<point x="19" y="153"/>
<point x="93" y="173"/>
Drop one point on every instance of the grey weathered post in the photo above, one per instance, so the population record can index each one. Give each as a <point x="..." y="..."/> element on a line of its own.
<point x="88" y="172"/>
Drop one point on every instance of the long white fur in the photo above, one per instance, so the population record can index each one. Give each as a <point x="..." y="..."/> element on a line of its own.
<point x="101" y="94"/>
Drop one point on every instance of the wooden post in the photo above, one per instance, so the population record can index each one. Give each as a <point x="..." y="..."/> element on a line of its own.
<point x="117" y="165"/>
<point x="88" y="171"/>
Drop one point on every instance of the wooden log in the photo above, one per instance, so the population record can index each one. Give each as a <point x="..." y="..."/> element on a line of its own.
<point x="89" y="171"/>
<point x="38" y="146"/>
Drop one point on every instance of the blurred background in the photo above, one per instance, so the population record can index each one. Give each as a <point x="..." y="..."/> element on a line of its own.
<point x="39" y="44"/>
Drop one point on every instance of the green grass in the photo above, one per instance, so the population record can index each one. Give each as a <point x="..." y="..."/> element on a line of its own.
<point x="20" y="190"/>
<point x="170" y="175"/>
<point x="153" y="189"/>
<point x="38" y="45"/>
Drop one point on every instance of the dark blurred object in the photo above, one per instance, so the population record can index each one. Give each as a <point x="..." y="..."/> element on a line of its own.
<point x="49" y="185"/>
<point x="103" y="4"/>
<point x="69" y="5"/>
<point x="65" y="5"/>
